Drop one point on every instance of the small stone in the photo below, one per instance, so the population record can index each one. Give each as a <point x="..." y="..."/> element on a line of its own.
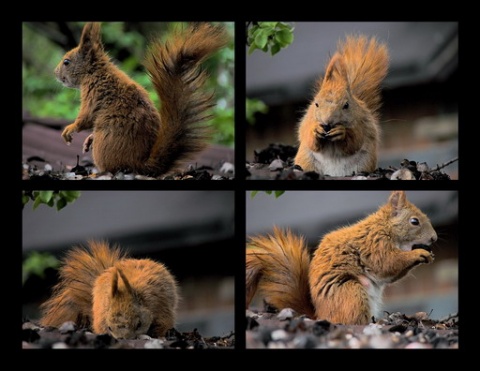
<point x="60" y="345"/>
<point x="305" y="342"/>
<point x="417" y="345"/>
<point x="285" y="314"/>
<point x="276" y="165"/>
<point x="154" y="344"/>
<point x="104" y="177"/>
<point x="67" y="327"/>
<point x="30" y="326"/>
<point x="48" y="167"/>
<point x="359" y="177"/>
<point x="278" y="335"/>
<point x="402" y="174"/>
<point x="130" y="176"/>
<point x="372" y="329"/>
<point x="70" y="175"/>
<point x="218" y="177"/>
<point x="143" y="177"/>
<point x="227" y="167"/>
<point x="119" y="176"/>
<point x="422" y="167"/>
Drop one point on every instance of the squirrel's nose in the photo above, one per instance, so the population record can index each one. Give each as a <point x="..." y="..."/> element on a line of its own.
<point x="434" y="238"/>
<point x="326" y="126"/>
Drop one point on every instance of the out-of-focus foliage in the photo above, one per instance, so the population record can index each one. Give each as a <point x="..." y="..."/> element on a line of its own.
<point x="254" y="107"/>
<point x="126" y="43"/>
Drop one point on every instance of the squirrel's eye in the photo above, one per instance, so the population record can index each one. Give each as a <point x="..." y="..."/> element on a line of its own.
<point x="346" y="105"/>
<point x="316" y="104"/>
<point x="414" y="221"/>
<point x="66" y="62"/>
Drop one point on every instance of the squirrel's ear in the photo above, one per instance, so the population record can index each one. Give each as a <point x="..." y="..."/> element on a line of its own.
<point x="335" y="69"/>
<point x="125" y="282"/>
<point x="91" y="38"/>
<point x="397" y="200"/>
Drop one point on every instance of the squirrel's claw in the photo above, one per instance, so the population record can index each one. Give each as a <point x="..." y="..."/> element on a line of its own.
<point x="67" y="134"/>
<point x="336" y="133"/>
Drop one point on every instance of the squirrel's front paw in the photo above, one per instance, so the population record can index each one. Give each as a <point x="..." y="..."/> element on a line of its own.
<point x="338" y="132"/>
<point x="319" y="133"/>
<point x="87" y="143"/>
<point x="425" y="256"/>
<point x="67" y="133"/>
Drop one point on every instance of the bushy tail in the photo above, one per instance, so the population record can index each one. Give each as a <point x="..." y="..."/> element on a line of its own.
<point x="278" y="266"/>
<point x="174" y="67"/>
<point x="366" y="62"/>
<point x="72" y="296"/>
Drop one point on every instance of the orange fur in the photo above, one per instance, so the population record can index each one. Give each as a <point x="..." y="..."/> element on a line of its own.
<point x="339" y="133"/>
<point x="129" y="134"/>
<point x="278" y="266"/>
<point x="350" y="267"/>
<point x="100" y="288"/>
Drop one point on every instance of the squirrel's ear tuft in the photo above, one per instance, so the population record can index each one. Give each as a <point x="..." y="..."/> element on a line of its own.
<point x="91" y="38"/>
<point x="397" y="200"/>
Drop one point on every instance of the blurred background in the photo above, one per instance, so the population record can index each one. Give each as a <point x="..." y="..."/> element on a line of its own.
<point x="48" y="106"/>
<point x="419" y="117"/>
<point x="432" y="287"/>
<point x="191" y="232"/>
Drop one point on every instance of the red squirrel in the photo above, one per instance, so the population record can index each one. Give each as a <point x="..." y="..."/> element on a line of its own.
<point x="102" y="289"/>
<point x="344" y="280"/>
<point x="129" y="133"/>
<point x="339" y="134"/>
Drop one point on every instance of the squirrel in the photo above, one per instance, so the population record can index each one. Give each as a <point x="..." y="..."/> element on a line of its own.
<point x="129" y="133"/>
<point x="344" y="280"/>
<point x="339" y="133"/>
<point x="100" y="288"/>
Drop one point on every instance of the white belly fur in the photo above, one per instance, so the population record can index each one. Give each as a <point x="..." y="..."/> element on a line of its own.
<point x="338" y="166"/>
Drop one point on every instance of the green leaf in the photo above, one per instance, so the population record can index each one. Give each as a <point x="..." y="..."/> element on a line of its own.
<point x="275" y="49"/>
<point x="61" y="203"/>
<point x="70" y="196"/>
<point x="37" y="202"/>
<point x="268" y="192"/>
<point x="46" y="196"/>
<point x="267" y="24"/>
<point x="279" y="193"/>
<point x="253" y="194"/>
<point x="261" y="39"/>
<point x="252" y="48"/>
<point x="284" y="37"/>
<point x="25" y="199"/>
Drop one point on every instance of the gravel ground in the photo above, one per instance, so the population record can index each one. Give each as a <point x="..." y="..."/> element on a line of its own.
<point x="38" y="169"/>
<point x="68" y="336"/>
<point x="276" y="163"/>
<point x="287" y="329"/>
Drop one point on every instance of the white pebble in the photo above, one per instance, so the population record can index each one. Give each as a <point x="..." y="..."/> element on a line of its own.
<point x="154" y="344"/>
<point x="372" y="329"/>
<point x="227" y="167"/>
<point x="279" y="335"/>
<point x="48" y="167"/>
<point x="276" y="165"/>
<point x="60" y="346"/>
<point x="286" y="313"/>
